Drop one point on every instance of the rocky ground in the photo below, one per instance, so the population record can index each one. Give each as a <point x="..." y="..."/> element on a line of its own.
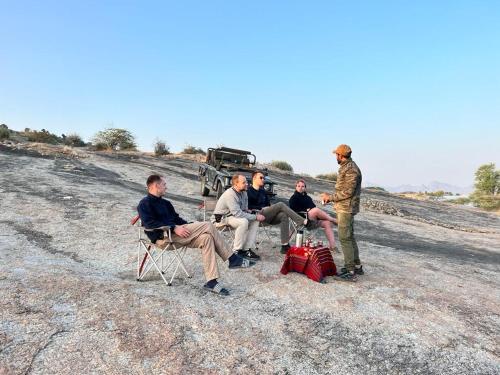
<point x="428" y="303"/>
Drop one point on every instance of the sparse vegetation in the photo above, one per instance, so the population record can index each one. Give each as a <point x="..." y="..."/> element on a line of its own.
<point x="328" y="176"/>
<point x="161" y="148"/>
<point x="437" y="194"/>
<point x="192" y="150"/>
<point x="487" y="188"/>
<point x="282" y="165"/>
<point x="73" y="140"/>
<point x="463" y="200"/>
<point x="376" y="188"/>
<point x="100" y="147"/>
<point x="4" y="132"/>
<point x="114" y="139"/>
<point x="42" y="136"/>
<point x="488" y="202"/>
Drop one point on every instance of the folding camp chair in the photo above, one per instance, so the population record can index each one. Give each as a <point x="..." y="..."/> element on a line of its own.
<point x="308" y="233"/>
<point x="162" y="255"/>
<point x="265" y="231"/>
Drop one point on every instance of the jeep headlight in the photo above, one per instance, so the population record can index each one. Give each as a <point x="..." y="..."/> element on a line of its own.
<point x="268" y="187"/>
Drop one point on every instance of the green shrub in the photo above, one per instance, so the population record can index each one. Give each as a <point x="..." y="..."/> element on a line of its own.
<point x="161" y="148"/>
<point x="114" y="139"/>
<point x="487" y="179"/>
<point x="463" y="200"/>
<point x="42" y="136"/>
<point x="73" y="140"/>
<point x="4" y="133"/>
<point x="487" y="188"/>
<point x="328" y="176"/>
<point x="282" y="165"/>
<point x="436" y="194"/>
<point x="485" y="201"/>
<point x="189" y="149"/>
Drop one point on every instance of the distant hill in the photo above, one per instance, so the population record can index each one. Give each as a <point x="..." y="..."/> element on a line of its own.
<point x="431" y="187"/>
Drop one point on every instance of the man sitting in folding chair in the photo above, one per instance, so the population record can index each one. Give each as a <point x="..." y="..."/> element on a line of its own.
<point x="232" y="210"/>
<point x="303" y="204"/>
<point x="158" y="214"/>
<point x="278" y="213"/>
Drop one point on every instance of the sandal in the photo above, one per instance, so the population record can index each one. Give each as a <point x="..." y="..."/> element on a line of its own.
<point x="217" y="289"/>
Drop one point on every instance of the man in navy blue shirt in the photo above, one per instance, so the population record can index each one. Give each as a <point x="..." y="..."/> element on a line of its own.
<point x="275" y="214"/>
<point x="156" y="212"/>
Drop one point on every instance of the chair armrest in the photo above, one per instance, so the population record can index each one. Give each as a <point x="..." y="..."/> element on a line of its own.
<point x="302" y="213"/>
<point x="134" y="220"/>
<point x="164" y="228"/>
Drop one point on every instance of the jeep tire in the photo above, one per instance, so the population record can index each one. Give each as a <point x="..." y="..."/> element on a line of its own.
<point x="220" y="190"/>
<point x="204" y="190"/>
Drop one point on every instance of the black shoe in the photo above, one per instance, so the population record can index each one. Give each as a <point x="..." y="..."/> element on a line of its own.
<point x="346" y="275"/>
<point x="241" y="262"/>
<point x="217" y="289"/>
<point x="357" y="271"/>
<point x="248" y="254"/>
<point x="284" y="249"/>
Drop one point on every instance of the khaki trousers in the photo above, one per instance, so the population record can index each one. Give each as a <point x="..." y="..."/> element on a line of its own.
<point x="207" y="238"/>
<point x="347" y="240"/>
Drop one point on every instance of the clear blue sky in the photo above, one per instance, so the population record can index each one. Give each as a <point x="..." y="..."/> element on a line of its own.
<point x="412" y="86"/>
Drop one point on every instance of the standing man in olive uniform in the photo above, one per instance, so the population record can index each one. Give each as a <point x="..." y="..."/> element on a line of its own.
<point x="346" y="204"/>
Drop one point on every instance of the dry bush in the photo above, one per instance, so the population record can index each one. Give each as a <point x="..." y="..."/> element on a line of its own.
<point x="328" y="176"/>
<point x="42" y="136"/>
<point x="282" y="165"/>
<point x="73" y="140"/>
<point x="161" y="148"/>
<point x="191" y="150"/>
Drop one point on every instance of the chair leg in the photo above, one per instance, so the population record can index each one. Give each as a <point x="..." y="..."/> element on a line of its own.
<point x="268" y="235"/>
<point x="293" y="229"/>
<point x="155" y="264"/>
<point x="172" y="260"/>
<point x="181" y="261"/>
<point x="141" y="266"/>
<point x="174" y="273"/>
<point x="155" y="258"/>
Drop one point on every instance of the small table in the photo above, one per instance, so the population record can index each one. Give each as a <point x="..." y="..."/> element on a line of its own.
<point x="315" y="262"/>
